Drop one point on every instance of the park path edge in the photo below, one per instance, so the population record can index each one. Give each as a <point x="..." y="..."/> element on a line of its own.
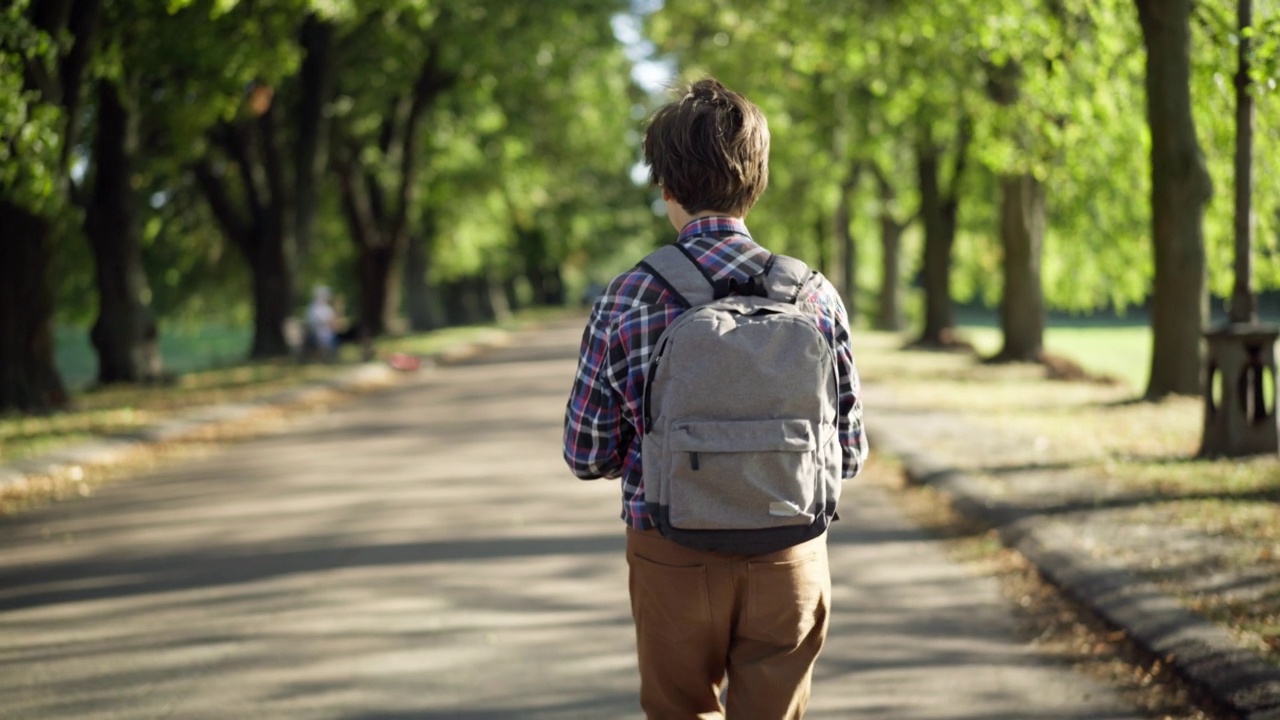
<point x="107" y="451"/>
<point x="1203" y="653"/>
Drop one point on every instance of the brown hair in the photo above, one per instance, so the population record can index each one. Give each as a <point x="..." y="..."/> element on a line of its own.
<point x="709" y="149"/>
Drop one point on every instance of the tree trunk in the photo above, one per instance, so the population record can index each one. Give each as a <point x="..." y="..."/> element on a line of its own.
<point x="29" y="380"/>
<point x="541" y="267"/>
<point x="1021" y="235"/>
<point x="821" y="226"/>
<point x="845" y="242"/>
<point x="1180" y="189"/>
<point x="272" y="298"/>
<point x="529" y="243"/>
<point x="463" y="304"/>
<point x="315" y="79"/>
<point x="1244" y="305"/>
<point x="124" y="333"/>
<point x="939" y="210"/>
<point x="889" y="315"/>
<point x="1022" y="223"/>
<point x="421" y="302"/>
<point x="378" y="212"/>
<point x="259" y="225"/>
<point x="375" y="270"/>
<point x="497" y="302"/>
<point x="511" y="291"/>
<point x="939" y="219"/>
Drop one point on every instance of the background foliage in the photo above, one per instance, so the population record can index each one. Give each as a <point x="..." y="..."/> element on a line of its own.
<point x="523" y="185"/>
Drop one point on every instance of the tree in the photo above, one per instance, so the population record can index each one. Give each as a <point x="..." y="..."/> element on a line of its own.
<point x="1180" y="189"/>
<point x="1218" y="43"/>
<point x="808" y="67"/>
<point x="45" y="48"/>
<point x="398" y="63"/>
<point x="487" y="75"/>
<point x="939" y="208"/>
<point x="257" y="222"/>
<point x="1022" y="199"/>
<point x="889" y="311"/>
<point x="379" y="215"/>
<point x="255" y="192"/>
<point x="124" y="333"/>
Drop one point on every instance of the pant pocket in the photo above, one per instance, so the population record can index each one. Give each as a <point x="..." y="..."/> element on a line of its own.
<point x="669" y="601"/>
<point x="786" y="599"/>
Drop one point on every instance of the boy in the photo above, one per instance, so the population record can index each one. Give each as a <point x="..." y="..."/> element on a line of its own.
<point x="700" y="616"/>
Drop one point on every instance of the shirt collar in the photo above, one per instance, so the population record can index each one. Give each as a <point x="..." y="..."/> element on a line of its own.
<point x="717" y="226"/>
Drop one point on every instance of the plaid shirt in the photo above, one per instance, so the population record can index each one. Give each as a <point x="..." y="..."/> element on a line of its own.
<point x="604" y="419"/>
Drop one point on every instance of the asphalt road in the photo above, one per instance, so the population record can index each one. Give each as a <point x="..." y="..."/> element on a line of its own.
<point x="423" y="553"/>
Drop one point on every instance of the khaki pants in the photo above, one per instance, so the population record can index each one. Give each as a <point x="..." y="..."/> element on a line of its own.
<point x="758" y="621"/>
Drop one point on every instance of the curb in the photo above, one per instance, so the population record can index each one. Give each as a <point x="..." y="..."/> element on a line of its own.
<point x="108" y="450"/>
<point x="1202" y="652"/>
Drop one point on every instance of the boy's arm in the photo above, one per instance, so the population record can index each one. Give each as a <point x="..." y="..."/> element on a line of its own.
<point x="593" y="424"/>
<point x="853" y="439"/>
<point x="833" y="320"/>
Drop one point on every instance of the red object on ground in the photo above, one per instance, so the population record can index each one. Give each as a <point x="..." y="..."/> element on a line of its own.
<point x="404" y="362"/>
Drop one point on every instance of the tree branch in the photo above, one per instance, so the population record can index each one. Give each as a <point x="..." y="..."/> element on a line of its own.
<point x="432" y="82"/>
<point x="234" y="142"/>
<point x="355" y="202"/>
<point x="273" y="163"/>
<point x="49" y="17"/>
<point x="82" y="25"/>
<point x="964" y="136"/>
<point x="224" y="210"/>
<point x="889" y="194"/>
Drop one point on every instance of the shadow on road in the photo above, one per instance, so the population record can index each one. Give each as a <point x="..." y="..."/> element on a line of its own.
<point x="99" y="579"/>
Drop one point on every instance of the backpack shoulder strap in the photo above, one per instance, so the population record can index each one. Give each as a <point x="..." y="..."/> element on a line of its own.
<point x="682" y="276"/>
<point x="786" y="277"/>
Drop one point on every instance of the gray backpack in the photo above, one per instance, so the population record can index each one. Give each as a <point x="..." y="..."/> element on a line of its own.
<point x="740" y="453"/>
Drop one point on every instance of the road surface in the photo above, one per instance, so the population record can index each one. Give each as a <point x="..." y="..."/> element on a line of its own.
<point x="423" y="553"/>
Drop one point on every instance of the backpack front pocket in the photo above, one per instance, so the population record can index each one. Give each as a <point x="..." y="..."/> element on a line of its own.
<point x="741" y="474"/>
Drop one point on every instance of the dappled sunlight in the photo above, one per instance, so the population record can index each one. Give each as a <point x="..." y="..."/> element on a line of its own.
<point x="425" y="553"/>
<point x="1049" y="422"/>
<point x="1122" y="475"/>
<point x="377" y="634"/>
<point x="401" y="551"/>
<point x="915" y="638"/>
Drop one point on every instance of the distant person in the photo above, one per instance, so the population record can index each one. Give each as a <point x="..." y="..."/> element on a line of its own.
<point x="322" y="321"/>
<point x="703" y="617"/>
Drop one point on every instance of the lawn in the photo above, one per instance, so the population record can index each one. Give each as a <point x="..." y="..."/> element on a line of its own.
<point x="1122" y="352"/>
<point x="186" y="348"/>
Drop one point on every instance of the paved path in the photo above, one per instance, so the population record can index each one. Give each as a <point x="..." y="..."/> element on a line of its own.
<point x="424" y="554"/>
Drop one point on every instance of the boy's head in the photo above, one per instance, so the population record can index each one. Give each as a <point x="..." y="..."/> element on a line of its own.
<point x="709" y="150"/>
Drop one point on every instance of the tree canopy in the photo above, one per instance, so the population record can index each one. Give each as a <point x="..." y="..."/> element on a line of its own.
<point x="441" y="161"/>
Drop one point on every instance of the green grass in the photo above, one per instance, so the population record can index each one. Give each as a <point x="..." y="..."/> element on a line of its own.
<point x="185" y="348"/>
<point x="438" y="341"/>
<point x="209" y="368"/>
<point x="1122" y="352"/>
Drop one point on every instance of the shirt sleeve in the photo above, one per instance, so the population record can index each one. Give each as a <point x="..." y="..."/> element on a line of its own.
<point x="833" y="320"/>
<point x="593" y="425"/>
<point x="853" y="438"/>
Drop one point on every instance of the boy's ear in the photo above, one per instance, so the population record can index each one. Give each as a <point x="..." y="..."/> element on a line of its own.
<point x="667" y="196"/>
